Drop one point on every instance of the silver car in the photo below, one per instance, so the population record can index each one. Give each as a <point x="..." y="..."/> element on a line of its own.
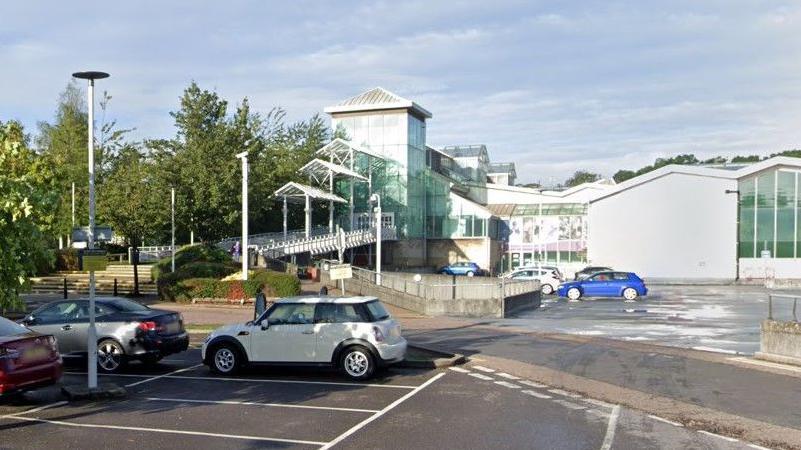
<point x="126" y="330"/>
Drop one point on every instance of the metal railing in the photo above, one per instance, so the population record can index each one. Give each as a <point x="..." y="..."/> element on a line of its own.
<point x="794" y="298"/>
<point x="151" y="253"/>
<point x="443" y="287"/>
<point x="325" y="243"/>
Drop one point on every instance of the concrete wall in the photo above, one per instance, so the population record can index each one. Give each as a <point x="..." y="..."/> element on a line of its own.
<point x="675" y="226"/>
<point x="778" y="268"/>
<point x="780" y="342"/>
<point x="445" y="251"/>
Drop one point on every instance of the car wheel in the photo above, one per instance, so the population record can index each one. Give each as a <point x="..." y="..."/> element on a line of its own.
<point x="225" y="359"/>
<point x="547" y="289"/>
<point x="357" y="362"/>
<point x="470" y="273"/>
<point x="630" y="294"/>
<point x="573" y="293"/>
<point x="110" y="356"/>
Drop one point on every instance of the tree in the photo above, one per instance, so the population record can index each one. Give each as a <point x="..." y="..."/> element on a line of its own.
<point x="623" y="175"/>
<point x="746" y="159"/>
<point x="581" y="177"/>
<point x="134" y="202"/>
<point x="26" y="202"/>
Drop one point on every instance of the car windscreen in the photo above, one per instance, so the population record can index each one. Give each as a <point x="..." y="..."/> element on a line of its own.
<point x="377" y="310"/>
<point x="9" y="328"/>
<point x="124" y="305"/>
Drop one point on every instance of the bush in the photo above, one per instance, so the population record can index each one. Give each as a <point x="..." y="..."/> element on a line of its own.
<point x="277" y="284"/>
<point x="274" y="284"/>
<point x="67" y="259"/>
<point x="193" y="255"/>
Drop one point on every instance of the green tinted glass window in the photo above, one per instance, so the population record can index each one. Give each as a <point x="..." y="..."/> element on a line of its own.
<point x="785" y="215"/>
<point x="766" y="199"/>
<point x="747" y="211"/>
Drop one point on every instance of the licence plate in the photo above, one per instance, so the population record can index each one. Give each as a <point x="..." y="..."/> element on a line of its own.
<point x="172" y="328"/>
<point x="34" y="354"/>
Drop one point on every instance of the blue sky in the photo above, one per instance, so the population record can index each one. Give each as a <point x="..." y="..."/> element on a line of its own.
<point x="554" y="86"/>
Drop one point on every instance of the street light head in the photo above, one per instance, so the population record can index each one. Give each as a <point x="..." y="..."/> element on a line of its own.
<point x="242" y="155"/>
<point x="374" y="199"/>
<point x="90" y="75"/>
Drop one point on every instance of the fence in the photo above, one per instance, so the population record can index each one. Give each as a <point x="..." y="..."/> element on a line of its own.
<point x="794" y="298"/>
<point x="780" y="340"/>
<point x="446" y="295"/>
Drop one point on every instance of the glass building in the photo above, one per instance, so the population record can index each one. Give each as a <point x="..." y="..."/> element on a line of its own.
<point x="769" y="214"/>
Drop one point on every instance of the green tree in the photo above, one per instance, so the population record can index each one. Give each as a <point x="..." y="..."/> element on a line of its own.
<point x="134" y="201"/>
<point x="746" y="159"/>
<point x="581" y="177"/>
<point x="623" y="175"/>
<point x="26" y="202"/>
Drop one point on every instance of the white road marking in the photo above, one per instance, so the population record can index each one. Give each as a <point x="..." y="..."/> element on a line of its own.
<point x="386" y="409"/>
<point x="507" y="376"/>
<point x="534" y="384"/>
<point x="570" y="405"/>
<point x="162" y="430"/>
<point x="257" y="380"/>
<point x="136" y="383"/>
<point x="610" y="428"/>
<point x="459" y="369"/>
<point x="599" y="403"/>
<point x="766" y="364"/>
<point x="33" y="410"/>
<point x="669" y="422"/>
<point x="564" y="393"/>
<point x="758" y="447"/>
<point x="481" y="377"/>
<point x="536" y="394"/>
<point x="484" y="369"/>
<point x="507" y="384"/>
<point x="725" y="438"/>
<point x="715" y="350"/>
<point x="277" y="405"/>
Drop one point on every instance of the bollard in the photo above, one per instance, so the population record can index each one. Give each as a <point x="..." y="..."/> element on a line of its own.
<point x="65" y="288"/>
<point x="115" y="287"/>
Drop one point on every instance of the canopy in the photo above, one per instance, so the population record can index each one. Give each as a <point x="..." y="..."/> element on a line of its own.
<point x="320" y="170"/>
<point x="342" y="150"/>
<point x="298" y="192"/>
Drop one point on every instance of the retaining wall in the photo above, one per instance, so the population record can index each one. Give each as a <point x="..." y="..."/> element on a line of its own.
<point x="780" y="342"/>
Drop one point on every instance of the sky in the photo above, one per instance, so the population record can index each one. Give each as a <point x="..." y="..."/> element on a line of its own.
<point x="553" y="86"/>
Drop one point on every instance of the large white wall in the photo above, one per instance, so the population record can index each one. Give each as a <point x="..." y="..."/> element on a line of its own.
<point x="675" y="226"/>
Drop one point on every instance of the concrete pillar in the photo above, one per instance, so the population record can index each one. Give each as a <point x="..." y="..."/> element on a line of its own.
<point x="285" y="210"/>
<point x="308" y="211"/>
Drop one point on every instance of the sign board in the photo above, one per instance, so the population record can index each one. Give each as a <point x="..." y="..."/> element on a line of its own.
<point x="102" y="234"/>
<point x="340" y="271"/>
<point x="764" y="254"/>
<point x="93" y="260"/>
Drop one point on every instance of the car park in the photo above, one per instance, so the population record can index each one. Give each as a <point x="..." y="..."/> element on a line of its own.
<point x="461" y="268"/>
<point x="355" y="334"/>
<point x="605" y="284"/>
<point x="27" y="359"/>
<point x="126" y="330"/>
<point x="549" y="280"/>
<point x="589" y="270"/>
<point x="553" y="269"/>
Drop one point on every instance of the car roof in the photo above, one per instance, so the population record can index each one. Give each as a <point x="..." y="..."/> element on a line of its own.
<point x="326" y="299"/>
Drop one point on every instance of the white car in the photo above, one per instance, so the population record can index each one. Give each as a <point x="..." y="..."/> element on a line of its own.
<point x="355" y="334"/>
<point x="549" y="280"/>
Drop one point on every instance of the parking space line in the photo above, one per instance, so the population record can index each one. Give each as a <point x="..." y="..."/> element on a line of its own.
<point x="669" y="422"/>
<point x="507" y="384"/>
<point x="277" y="380"/>
<point x="725" y="438"/>
<point x="536" y="394"/>
<point x="507" y="376"/>
<point x="564" y="393"/>
<point x="386" y="409"/>
<point x="277" y="405"/>
<point x="766" y="364"/>
<point x="610" y="428"/>
<point x="534" y="384"/>
<point x="481" y="377"/>
<point x="163" y="430"/>
<point x="163" y="376"/>
<point x="758" y="447"/>
<point x="43" y="407"/>
<point x="459" y="369"/>
<point x="570" y="405"/>
<point x="484" y="369"/>
<point x="599" y="403"/>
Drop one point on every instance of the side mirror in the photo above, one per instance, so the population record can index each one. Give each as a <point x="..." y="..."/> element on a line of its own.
<point x="29" y="320"/>
<point x="265" y="324"/>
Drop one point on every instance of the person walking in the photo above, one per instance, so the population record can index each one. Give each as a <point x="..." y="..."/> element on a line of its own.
<point x="236" y="251"/>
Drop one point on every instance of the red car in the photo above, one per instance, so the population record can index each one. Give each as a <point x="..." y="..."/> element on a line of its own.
<point x="27" y="359"/>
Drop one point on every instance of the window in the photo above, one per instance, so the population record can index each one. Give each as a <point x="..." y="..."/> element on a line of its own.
<point x="292" y="314"/>
<point x="785" y="215"/>
<point x="747" y="210"/>
<point x="340" y="313"/>
<point x="128" y="305"/>
<point x="60" y="312"/>
<point x="765" y="209"/>
<point x="377" y="310"/>
<point x="620" y="276"/>
<point x="604" y="276"/>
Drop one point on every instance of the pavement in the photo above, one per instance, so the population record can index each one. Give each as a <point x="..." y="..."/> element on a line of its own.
<point x="181" y="405"/>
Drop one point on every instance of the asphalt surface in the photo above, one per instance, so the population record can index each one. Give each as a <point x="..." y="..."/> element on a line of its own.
<point x="715" y="318"/>
<point x="178" y="405"/>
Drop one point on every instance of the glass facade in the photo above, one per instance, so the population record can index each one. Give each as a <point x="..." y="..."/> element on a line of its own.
<point x="554" y="233"/>
<point x="769" y="204"/>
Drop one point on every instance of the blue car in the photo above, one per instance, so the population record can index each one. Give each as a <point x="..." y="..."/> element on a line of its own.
<point x="461" y="268"/>
<point x="605" y="284"/>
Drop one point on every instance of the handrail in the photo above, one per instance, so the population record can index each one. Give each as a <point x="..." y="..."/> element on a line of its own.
<point x="783" y="296"/>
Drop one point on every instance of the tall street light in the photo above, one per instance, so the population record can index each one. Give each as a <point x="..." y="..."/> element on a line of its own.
<point x="172" y="213"/>
<point x="375" y="200"/>
<point x="737" y="256"/>
<point x="91" y="342"/>
<point x="244" y="248"/>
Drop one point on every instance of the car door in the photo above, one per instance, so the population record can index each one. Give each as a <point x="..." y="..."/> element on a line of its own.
<point x="596" y="285"/>
<point x="59" y="319"/>
<point x="289" y="337"/>
<point x="336" y="322"/>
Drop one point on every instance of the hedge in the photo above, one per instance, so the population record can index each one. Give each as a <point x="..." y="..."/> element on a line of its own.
<point x="194" y="256"/>
<point x="273" y="284"/>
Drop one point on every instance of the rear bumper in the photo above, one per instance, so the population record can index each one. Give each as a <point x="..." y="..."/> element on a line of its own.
<point x="160" y="345"/>
<point x="392" y="353"/>
<point x="31" y="377"/>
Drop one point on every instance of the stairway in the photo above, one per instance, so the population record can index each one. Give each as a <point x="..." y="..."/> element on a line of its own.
<point x="78" y="282"/>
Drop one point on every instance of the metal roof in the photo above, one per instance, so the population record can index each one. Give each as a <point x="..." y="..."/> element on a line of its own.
<point x="502" y="168"/>
<point x="320" y="170"/>
<point x="295" y="191"/>
<point x="464" y="151"/>
<point x="342" y="148"/>
<point x="377" y="98"/>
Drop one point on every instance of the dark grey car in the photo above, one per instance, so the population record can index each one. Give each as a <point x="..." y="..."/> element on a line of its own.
<point x="126" y="330"/>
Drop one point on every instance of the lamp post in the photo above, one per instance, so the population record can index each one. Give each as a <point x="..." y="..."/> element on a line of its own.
<point x="375" y="200"/>
<point x="172" y="214"/>
<point x="737" y="255"/>
<point x="244" y="157"/>
<point x="91" y="341"/>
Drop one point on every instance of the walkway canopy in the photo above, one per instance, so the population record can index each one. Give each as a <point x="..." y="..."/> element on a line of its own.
<point x="341" y="152"/>
<point x="301" y="193"/>
<point x="320" y="171"/>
